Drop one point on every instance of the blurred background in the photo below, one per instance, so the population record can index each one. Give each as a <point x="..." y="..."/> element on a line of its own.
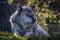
<point x="47" y="13"/>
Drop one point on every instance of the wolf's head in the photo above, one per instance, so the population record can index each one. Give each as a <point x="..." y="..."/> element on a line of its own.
<point x="25" y="16"/>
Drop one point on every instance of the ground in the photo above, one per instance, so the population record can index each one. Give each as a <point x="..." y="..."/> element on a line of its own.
<point x="10" y="36"/>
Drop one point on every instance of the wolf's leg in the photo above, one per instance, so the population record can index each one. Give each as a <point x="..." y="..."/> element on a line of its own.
<point x="41" y="31"/>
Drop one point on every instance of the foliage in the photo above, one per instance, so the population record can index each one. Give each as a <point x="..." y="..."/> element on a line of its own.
<point x="47" y="12"/>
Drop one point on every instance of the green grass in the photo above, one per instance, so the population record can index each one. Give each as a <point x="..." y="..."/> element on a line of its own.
<point x="10" y="36"/>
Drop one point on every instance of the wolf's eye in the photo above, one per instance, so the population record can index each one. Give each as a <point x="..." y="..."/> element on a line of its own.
<point x="32" y="17"/>
<point x="28" y="14"/>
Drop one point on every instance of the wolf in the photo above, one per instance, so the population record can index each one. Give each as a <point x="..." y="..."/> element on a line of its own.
<point x="24" y="22"/>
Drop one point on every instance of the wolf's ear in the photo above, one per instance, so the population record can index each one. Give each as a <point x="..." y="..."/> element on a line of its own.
<point x="33" y="7"/>
<point x="19" y="8"/>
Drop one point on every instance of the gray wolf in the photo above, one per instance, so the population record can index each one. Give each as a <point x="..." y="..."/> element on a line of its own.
<point x="24" y="23"/>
